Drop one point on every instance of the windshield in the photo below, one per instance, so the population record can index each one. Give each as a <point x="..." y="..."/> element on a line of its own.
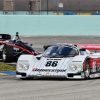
<point x="60" y="51"/>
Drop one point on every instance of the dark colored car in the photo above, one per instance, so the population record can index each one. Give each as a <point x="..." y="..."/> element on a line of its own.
<point x="10" y="49"/>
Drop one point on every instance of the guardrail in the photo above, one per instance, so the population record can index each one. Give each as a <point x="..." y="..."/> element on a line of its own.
<point x="50" y="13"/>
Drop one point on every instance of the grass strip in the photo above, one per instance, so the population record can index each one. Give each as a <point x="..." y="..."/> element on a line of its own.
<point x="6" y="67"/>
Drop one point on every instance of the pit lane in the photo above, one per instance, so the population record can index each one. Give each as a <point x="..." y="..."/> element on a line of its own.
<point x="12" y="88"/>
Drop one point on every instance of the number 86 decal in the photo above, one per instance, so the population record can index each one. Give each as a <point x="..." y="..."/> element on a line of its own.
<point x="51" y="63"/>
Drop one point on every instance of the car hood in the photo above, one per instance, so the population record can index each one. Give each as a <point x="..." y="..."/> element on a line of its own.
<point x="53" y="63"/>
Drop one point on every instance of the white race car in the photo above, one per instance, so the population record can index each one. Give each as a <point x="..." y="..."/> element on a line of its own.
<point x="61" y="61"/>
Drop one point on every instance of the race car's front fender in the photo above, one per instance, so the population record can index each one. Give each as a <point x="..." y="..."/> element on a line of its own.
<point x="79" y="58"/>
<point x="75" y="69"/>
<point x="25" y="65"/>
<point x="78" y="61"/>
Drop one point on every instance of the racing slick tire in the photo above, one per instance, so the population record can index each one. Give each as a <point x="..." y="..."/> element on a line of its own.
<point x="7" y="54"/>
<point x="87" y="71"/>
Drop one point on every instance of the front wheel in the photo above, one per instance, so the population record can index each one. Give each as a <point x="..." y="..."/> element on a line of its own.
<point x="7" y="54"/>
<point x="87" y="71"/>
<point x="4" y="56"/>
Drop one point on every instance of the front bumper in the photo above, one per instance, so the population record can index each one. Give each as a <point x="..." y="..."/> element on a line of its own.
<point x="75" y="75"/>
<point x="21" y="74"/>
<point x="68" y="75"/>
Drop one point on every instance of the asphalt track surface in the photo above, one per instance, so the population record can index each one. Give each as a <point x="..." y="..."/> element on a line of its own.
<point x="12" y="88"/>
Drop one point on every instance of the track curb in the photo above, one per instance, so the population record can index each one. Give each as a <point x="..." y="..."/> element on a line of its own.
<point x="4" y="73"/>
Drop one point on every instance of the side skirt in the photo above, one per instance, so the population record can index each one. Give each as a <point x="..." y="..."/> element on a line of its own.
<point x="95" y="75"/>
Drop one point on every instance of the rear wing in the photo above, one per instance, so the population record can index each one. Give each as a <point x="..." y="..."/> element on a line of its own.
<point x="4" y="37"/>
<point x="89" y="46"/>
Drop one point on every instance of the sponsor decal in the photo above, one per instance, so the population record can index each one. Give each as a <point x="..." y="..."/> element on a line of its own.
<point x="76" y="61"/>
<point x="94" y="67"/>
<point x="16" y="49"/>
<point x="53" y="59"/>
<point x="51" y="63"/>
<point x="50" y="70"/>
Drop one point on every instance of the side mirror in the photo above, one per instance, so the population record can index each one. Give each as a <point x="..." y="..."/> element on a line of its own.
<point x="82" y="49"/>
<point x="46" y="46"/>
<point x="39" y="57"/>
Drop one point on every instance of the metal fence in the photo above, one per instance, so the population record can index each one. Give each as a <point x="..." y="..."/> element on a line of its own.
<point x="60" y="7"/>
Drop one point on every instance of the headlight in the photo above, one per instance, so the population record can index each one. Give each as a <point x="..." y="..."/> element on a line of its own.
<point x="79" y="68"/>
<point x="75" y="67"/>
<point x="23" y="65"/>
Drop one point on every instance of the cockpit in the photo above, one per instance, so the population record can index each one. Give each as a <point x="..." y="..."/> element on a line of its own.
<point x="61" y="51"/>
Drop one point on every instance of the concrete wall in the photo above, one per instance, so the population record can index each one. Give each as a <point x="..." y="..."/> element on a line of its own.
<point x="50" y="25"/>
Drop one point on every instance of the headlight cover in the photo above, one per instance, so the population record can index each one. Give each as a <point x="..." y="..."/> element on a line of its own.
<point x="75" y="67"/>
<point x="23" y="65"/>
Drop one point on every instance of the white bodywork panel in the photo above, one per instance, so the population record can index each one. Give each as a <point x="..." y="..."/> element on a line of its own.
<point x="58" y="62"/>
<point x="57" y="67"/>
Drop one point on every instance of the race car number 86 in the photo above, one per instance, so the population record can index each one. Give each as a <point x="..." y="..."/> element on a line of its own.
<point x="51" y="63"/>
